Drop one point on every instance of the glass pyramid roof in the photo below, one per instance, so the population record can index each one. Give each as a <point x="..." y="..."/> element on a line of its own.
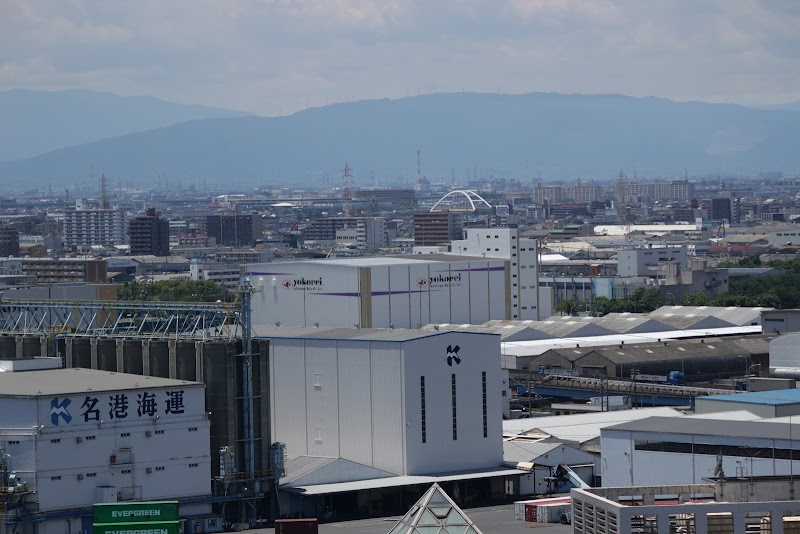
<point x="435" y="513"/>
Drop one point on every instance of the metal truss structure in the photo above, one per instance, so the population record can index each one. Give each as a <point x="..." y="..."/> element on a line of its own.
<point x="153" y="320"/>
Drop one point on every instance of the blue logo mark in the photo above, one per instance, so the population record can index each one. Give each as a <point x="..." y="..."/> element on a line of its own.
<point x="59" y="409"/>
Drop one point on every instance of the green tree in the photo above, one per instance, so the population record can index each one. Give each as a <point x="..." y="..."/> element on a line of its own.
<point x="173" y="291"/>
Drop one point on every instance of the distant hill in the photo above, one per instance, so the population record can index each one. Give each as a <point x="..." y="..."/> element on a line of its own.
<point x="555" y="134"/>
<point x="794" y="106"/>
<point x="35" y="122"/>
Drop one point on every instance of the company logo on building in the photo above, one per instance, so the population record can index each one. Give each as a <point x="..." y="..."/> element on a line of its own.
<point x="452" y="355"/>
<point x="303" y="283"/>
<point x="440" y="280"/>
<point x="58" y="410"/>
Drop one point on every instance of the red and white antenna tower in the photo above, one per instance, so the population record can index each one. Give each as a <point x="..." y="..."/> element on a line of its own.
<point x="346" y="195"/>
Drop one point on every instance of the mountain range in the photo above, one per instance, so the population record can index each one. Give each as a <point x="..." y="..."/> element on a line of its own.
<point x="35" y="122"/>
<point x="555" y="135"/>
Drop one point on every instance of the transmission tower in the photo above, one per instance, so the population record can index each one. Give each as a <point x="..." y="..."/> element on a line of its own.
<point x="346" y="195"/>
<point x="104" y="204"/>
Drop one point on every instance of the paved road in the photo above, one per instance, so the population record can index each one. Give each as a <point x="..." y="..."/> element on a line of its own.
<point x="491" y="520"/>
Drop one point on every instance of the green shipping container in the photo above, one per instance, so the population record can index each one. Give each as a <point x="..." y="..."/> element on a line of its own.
<point x="172" y="527"/>
<point x="136" y="512"/>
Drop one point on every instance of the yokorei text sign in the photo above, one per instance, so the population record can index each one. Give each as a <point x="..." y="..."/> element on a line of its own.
<point x="157" y="517"/>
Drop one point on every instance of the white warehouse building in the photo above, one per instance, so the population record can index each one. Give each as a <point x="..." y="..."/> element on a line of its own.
<point x="70" y="438"/>
<point x="384" y="292"/>
<point x="691" y="449"/>
<point x="393" y="407"/>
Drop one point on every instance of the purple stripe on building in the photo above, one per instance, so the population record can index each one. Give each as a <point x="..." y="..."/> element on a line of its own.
<point x="479" y="269"/>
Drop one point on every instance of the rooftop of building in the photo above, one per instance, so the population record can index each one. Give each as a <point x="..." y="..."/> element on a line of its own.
<point x="50" y="382"/>
<point x="381" y="261"/>
<point x="770" y="398"/>
<point x="722" y="426"/>
<point x="354" y="334"/>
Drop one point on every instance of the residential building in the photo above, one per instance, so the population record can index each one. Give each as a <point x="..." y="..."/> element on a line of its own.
<point x="94" y="227"/>
<point x="234" y="230"/>
<point x="58" y="270"/>
<point x="9" y="241"/>
<point x="149" y="234"/>
<point x="435" y="228"/>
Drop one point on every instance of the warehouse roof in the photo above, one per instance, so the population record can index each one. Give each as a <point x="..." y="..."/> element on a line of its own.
<point x="730" y="428"/>
<point x="770" y="398"/>
<point x="631" y="323"/>
<point x="508" y="331"/>
<point x="571" y="326"/>
<point x="735" y="315"/>
<point x="397" y="481"/>
<point x="374" y="261"/>
<point x="537" y="347"/>
<point x="356" y="334"/>
<point x="580" y="427"/>
<point x="77" y="380"/>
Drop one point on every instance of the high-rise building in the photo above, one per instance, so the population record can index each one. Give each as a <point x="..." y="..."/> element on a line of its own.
<point x="435" y="228"/>
<point x="149" y="234"/>
<point x="90" y="227"/>
<point x="9" y="241"/>
<point x="234" y="230"/>
<point x="633" y="192"/>
<point x="725" y="209"/>
<point x="546" y="193"/>
<point x="583" y="193"/>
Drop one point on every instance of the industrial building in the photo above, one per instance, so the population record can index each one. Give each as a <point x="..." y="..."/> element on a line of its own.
<point x="733" y="505"/>
<point x="687" y="450"/>
<point x="75" y="437"/>
<point x="386" y="409"/>
<point x="384" y="292"/>
<point x="765" y="404"/>
<point x="699" y="360"/>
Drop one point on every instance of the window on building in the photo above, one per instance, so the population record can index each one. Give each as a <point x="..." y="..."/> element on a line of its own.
<point x="90" y="437"/>
<point x="159" y="431"/>
<point x="57" y="440"/>
<point x="91" y="475"/>
<point x="13" y="442"/>
<point x="125" y="435"/>
<point x="192" y="429"/>
<point x="125" y="471"/>
<point x="58" y="477"/>
<point x="194" y="465"/>
<point x="161" y="468"/>
<point x="485" y="413"/>
<point x="422" y="409"/>
<point x="453" y="401"/>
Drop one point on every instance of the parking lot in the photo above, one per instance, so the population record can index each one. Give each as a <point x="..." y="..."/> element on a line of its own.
<point x="491" y="520"/>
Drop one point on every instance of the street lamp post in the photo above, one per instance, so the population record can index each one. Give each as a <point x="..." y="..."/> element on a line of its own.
<point x="748" y="373"/>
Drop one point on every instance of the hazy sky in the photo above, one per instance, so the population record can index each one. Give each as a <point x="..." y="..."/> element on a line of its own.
<point x="277" y="56"/>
